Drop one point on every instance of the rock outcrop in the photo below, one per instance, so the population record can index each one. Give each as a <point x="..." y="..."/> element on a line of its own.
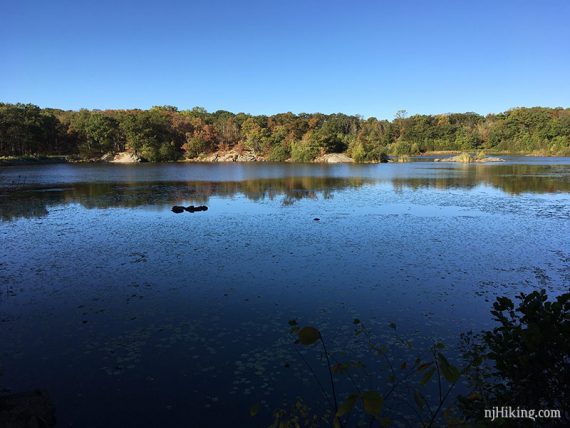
<point x="334" y="158"/>
<point x="229" y="156"/>
<point x="126" y="157"/>
<point x="468" y="158"/>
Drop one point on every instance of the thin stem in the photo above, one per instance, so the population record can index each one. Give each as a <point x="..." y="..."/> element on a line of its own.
<point x="356" y="387"/>
<point x="399" y="381"/>
<point x="438" y="374"/>
<point x="330" y="373"/>
<point x="431" y="422"/>
<point x="315" y="376"/>
<point x="414" y="409"/>
<point x="377" y="349"/>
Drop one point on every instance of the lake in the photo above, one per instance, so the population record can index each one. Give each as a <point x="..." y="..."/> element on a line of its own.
<point x="131" y="315"/>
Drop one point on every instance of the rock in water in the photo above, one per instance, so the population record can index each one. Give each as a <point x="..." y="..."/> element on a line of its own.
<point x="177" y="209"/>
<point x="192" y="208"/>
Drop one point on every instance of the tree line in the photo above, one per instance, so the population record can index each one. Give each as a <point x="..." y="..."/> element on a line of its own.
<point x="164" y="133"/>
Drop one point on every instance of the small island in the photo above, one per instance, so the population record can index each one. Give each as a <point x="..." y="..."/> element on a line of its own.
<point x="470" y="158"/>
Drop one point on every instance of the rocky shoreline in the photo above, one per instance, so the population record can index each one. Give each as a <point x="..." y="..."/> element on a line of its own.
<point x="250" y="156"/>
<point x="469" y="158"/>
<point x="232" y="156"/>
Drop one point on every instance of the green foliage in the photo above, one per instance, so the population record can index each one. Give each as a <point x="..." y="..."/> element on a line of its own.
<point x="305" y="150"/>
<point x="357" y="151"/>
<point x="427" y="376"/>
<point x="522" y="362"/>
<point x="450" y="372"/>
<point x="97" y="134"/>
<point x="149" y="134"/>
<point x="255" y="136"/>
<point x="278" y="153"/>
<point x="362" y="402"/>
<point x="308" y="335"/>
<point x="347" y="405"/>
<point x="372" y="402"/>
<point x="334" y="134"/>
<point x="27" y="130"/>
<point x="163" y="133"/>
<point x="528" y="352"/>
<point x="402" y="148"/>
<point x="465" y="158"/>
<point x="299" y="415"/>
<point x="195" y="146"/>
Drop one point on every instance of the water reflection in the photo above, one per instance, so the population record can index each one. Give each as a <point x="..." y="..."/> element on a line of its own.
<point x="511" y="179"/>
<point x="34" y="200"/>
<point x="173" y="315"/>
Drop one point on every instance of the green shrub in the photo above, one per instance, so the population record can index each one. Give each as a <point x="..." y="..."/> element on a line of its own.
<point x="304" y="151"/>
<point x="357" y="152"/>
<point x="528" y="356"/>
<point x="278" y="153"/>
<point x="195" y="146"/>
<point x="465" y="158"/>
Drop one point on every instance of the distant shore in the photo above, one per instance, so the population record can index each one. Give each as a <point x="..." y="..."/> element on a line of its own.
<point x="33" y="160"/>
<point x="231" y="156"/>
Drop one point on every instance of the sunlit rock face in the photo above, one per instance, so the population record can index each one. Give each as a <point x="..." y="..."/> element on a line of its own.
<point x="126" y="157"/>
<point x="334" y="158"/>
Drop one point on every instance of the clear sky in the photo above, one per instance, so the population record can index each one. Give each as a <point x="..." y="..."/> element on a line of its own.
<point x="262" y="57"/>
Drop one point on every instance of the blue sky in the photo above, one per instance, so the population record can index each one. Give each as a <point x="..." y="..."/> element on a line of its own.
<point x="262" y="57"/>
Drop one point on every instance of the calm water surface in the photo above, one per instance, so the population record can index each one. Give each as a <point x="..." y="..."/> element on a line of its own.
<point x="131" y="315"/>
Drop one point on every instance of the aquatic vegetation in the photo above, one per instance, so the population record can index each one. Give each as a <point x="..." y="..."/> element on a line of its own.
<point x="470" y="158"/>
<point x="480" y="155"/>
<point x="464" y="158"/>
<point x="523" y="362"/>
<point x="358" y="403"/>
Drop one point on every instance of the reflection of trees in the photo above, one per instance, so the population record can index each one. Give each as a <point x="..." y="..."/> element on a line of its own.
<point x="512" y="179"/>
<point x="34" y="202"/>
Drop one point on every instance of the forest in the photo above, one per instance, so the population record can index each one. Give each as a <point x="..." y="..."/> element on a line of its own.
<point x="164" y="133"/>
